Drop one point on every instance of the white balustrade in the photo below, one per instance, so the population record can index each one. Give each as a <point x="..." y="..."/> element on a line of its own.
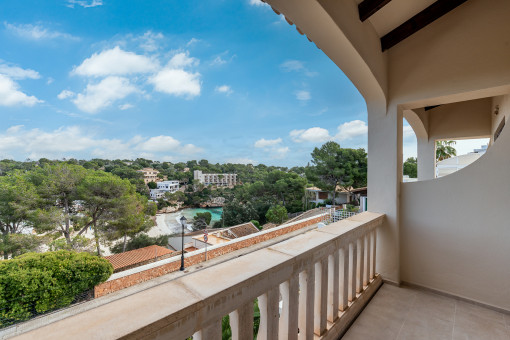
<point x="319" y="277"/>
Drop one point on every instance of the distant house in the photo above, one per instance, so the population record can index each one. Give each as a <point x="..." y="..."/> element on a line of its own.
<point x="164" y="187"/>
<point x="134" y="258"/>
<point x="317" y="195"/>
<point x="453" y="164"/>
<point x="150" y="175"/>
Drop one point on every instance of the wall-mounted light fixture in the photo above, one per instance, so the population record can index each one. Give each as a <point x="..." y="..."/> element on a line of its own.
<point x="496" y="110"/>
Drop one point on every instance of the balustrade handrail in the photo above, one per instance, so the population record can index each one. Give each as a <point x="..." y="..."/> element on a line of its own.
<point x="316" y="274"/>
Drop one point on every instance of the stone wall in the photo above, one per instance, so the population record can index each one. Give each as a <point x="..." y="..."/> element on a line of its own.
<point x="119" y="283"/>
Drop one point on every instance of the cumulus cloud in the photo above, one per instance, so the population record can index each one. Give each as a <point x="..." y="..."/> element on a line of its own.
<point x="264" y="143"/>
<point x="115" y="61"/>
<point x="36" y="32"/>
<point x="15" y="72"/>
<point x="311" y="135"/>
<point x="10" y="95"/>
<point x="84" y="3"/>
<point x="73" y="141"/>
<point x="175" y="80"/>
<point x="303" y="95"/>
<point x="352" y="129"/>
<point x="103" y="94"/>
<point x="280" y="152"/>
<point x="408" y="131"/>
<point x="223" y="89"/>
<point x="65" y="94"/>
<point x="192" y="41"/>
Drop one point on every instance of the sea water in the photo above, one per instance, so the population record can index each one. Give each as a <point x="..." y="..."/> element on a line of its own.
<point x="172" y="219"/>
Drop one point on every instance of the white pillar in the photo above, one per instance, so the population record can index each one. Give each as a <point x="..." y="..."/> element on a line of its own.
<point x="241" y="322"/>
<point x="426" y="159"/>
<point x="384" y="176"/>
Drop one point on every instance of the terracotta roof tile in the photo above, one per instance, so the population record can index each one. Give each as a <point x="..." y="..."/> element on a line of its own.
<point x="243" y="229"/>
<point x="132" y="257"/>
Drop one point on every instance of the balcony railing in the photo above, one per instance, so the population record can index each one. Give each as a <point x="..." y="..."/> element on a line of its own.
<point x="322" y="278"/>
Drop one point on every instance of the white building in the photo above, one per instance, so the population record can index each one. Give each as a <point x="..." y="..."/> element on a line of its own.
<point x="163" y="188"/>
<point x="453" y="164"/>
<point x="215" y="179"/>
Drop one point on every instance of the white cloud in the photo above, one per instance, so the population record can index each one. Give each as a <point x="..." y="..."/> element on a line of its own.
<point x="242" y="160"/>
<point x="65" y="94"/>
<point x="192" y="41"/>
<point x="223" y="89"/>
<point x="256" y="3"/>
<point x="311" y="135"/>
<point x="352" y="129"/>
<point x="36" y="32"/>
<point x="218" y="61"/>
<point x="73" y="141"/>
<point x="280" y="152"/>
<point x="103" y="94"/>
<point x="303" y="95"/>
<point x="10" y="95"/>
<point x="408" y="131"/>
<point x="167" y="144"/>
<point x="149" y="41"/>
<point x="15" y="72"/>
<point x="296" y="66"/>
<point x="84" y="3"/>
<point x="115" y="61"/>
<point x="174" y="80"/>
<point x="264" y="143"/>
<point x="126" y="106"/>
<point x="292" y="65"/>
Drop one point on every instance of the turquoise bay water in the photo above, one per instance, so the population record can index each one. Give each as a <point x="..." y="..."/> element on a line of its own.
<point x="172" y="219"/>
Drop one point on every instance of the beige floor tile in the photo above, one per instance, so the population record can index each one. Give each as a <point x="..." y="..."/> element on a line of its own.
<point x="404" y="313"/>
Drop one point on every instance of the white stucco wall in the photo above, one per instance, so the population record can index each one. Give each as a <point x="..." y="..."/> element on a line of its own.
<point x="455" y="230"/>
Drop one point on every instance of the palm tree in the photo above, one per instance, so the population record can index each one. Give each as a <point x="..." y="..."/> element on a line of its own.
<point x="445" y="150"/>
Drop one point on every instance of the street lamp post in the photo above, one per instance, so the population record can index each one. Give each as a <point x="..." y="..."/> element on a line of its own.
<point x="183" y="223"/>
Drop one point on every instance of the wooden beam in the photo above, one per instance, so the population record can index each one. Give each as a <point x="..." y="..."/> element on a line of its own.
<point x="420" y="20"/>
<point x="367" y="8"/>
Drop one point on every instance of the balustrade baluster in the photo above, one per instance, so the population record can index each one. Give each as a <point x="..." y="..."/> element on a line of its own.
<point x="269" y="314"/>
<point x="366" y="273"/>
<point x="374" y="243"/>
<point x="306" y="303"/>
<point x="361" y="261"/>
<point x="321" y="296"/>
<point x="344" y="282"/>
<point x="211" y="332"/>
<point x="289" y="315"/>
<point x="352" y="268"/>
<point x="241" y="322"/>
<point x="333" y="285"/>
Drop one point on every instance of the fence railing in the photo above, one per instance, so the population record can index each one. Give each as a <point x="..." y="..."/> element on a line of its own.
<point x="335" y="214"/>
<point x="320" y="277"/>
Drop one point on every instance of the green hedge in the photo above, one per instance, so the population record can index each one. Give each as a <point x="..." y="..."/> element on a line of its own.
<point x="33" y="283"/>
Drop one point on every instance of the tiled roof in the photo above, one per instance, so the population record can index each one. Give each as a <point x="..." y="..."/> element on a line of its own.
<point x="133" y="257"/>
<point x="190" y="249"/>
<point x="243" y="229"/>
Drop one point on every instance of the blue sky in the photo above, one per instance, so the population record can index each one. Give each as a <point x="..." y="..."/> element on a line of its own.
<point x="224" y="80"/>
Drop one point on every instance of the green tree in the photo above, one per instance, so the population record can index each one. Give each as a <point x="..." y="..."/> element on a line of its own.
<point x="236" y="212"/>
<point x="19" y="244"/>
<point x="18" y="200"/>
<point x="102" y="195"/>
<point x="205" y="216"/>
<point x="411" y="167"/>
<point x="277" y="214"/>
<point x="35" y="283"/>
<point x="58" y="187"/>
<point x="335" y="166"/>
<point x="152" y="185"/>
<point x="445" y="149"/>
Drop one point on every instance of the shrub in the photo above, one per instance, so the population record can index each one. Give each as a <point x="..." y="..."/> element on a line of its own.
<point x="256" y="224"/>
<point x="276" y="214"/>
<point x="34" y="283"/>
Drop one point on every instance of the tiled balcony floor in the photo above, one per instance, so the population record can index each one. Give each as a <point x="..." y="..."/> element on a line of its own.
<point x="405" y="313"/>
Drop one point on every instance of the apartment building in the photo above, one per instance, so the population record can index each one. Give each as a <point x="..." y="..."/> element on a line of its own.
<point x="150" y="175"/>
<point x="215" y="179"/>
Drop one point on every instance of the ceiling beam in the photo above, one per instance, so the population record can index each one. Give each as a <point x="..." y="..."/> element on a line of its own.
<point x="420" y="20"/>
<point x="367" y="8"/>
